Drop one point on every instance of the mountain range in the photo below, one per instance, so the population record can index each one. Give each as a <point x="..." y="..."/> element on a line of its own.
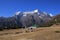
<point x="25" y="19"/>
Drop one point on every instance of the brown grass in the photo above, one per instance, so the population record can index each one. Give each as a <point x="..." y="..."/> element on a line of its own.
<point x="43" y="33"/>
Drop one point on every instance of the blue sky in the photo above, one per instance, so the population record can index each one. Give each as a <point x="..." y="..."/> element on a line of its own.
<point x="9" y="7"/>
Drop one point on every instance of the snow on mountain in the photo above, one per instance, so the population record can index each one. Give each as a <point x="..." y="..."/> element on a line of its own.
<point x="51" y="14"/>
<point x="17" y="13"/>
<point x="45" y="13"/>
<point x="31" y="12"/>
<point x="32" y="17"/>
<point x="24" y="15"/>
<point x="41" y="17"/>
<point x="34" y="12"/>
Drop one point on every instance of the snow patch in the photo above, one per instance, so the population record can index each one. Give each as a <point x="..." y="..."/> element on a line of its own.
<point x="24" y="15"/>
<point x="45" y="13"/>
<point x="51" y="14"/>
<point x="36" y="10"/>
<point x="17" y="13"/>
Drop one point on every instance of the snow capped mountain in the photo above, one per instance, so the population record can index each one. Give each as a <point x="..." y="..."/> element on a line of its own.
<point x="30" y="12"/>
<point x="36" y="10"/>
<point x="51" y="14"/>
<point x="26" y="19"/>
<point x="17" y="13"/>
<point x="35" y="13"/>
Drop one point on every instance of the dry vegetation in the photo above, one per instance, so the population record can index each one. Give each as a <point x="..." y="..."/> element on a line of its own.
<point x="43" y="33"/>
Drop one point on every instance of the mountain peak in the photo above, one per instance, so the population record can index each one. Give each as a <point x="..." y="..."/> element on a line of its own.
<point x="36" y="10"/>
<point x="17" y="13"/>
<point x="51" y="14"/>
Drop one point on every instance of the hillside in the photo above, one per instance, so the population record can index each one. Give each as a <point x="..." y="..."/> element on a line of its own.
<point x="43" y="33"/>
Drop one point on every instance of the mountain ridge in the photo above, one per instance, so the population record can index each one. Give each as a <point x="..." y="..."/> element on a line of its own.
<point x="25" y="19"/>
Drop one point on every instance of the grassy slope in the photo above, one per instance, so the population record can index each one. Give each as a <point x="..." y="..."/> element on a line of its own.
<point x="47" y="33"/>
